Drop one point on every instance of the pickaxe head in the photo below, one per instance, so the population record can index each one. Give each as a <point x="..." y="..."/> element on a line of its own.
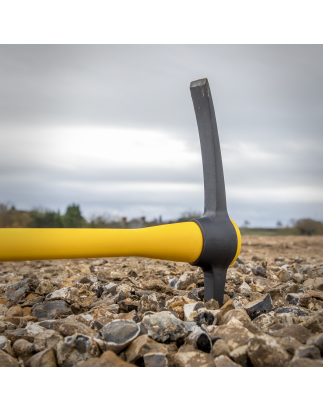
<point x="221" y="237"/>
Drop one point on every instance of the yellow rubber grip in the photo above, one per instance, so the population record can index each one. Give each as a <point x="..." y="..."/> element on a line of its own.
<point x="174" y="242"/>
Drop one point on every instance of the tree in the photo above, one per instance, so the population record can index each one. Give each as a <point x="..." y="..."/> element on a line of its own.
<point x="73" y="217"/>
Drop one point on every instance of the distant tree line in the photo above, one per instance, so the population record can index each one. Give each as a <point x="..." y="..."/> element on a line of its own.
<point x="10" y="217"/>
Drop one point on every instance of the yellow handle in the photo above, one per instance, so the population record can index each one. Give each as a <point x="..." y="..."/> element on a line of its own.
<point x="174" y="242"/>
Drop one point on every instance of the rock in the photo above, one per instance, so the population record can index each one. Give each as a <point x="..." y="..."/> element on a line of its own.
<point x="185" y="280"/>
<point x="164" y="326"/>
<point x="315" y="294"/>
<point x="46" y="358"/>
<point x="128" y="305"/>
<point x="224" y="361"/>
<point x="296" y="331"/>
<point x="23" y="350"/>
<point x="318" y="283"/>
<point x="177" y="305"/>
<point x="304" y="300"/>
<point x="308" y="352"/>
<point x="3" y="327"/>
<point x="141" y="346"/>
<point x="45" y="287"/>
<point x="107" y="359"/>
<point x="33" y="329"/>
<point x="13" y="320"/>
<point x="284" y="276"/>
<point x="316" y="340"/>
<point x="265" y="351"/>
<point x="305" y="362"/>
<point x="227" y="307"/>
<point x="15" y="311"/>
<point x="207" y="317"/>
<point x="18" y="334"/>
<point x="259" y="271"/>
<point x="49" y="309"/>
<point x="111" y="288"/>
<point x="7" y="361"/>
<point x="31" y="300"/>
<point x="293" y="298"/>
<point x="155" y="360"/>
<point x="76" y="349"/>
<point x="118" y="335"/>
<point x="299" y="278"/>
<point x="220" y="347"/>
<point x="3" y="310"/>
<point x="239" y="314"/>
<point x="5" y="345"/>
<point x="71" y="327"/>
<point x="200" y="340"/>
<point x="148" y="303"/>
<point x="212" y="305"/>
<point x="193" y="359"/>
<point x="47" y="339"/>
<point x="260" y="306"/>
<point x="18" y="289"/>
<point x="245" y="289"/>
<point x="156" y="285"/>
<point x="189" y="310"/>
<point x="240" y="355"/>
<point x="234" y="336"/>
<point x="25" y="320"/>
<point x="314" y="324"/>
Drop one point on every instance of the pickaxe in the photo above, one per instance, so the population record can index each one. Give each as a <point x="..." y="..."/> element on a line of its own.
<point x="211" y="242"/>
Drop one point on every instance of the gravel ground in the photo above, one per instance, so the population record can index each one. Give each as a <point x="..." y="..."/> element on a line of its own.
<point x="128" y="312"/>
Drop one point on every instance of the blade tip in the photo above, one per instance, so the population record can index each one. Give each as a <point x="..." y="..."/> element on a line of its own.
<point x="199" y="83"/>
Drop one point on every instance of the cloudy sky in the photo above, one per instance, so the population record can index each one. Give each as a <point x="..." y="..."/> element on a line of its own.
<point x="113" y="129"/>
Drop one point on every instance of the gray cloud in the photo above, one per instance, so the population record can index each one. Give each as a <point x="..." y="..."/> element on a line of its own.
<point x="268" y="101"/>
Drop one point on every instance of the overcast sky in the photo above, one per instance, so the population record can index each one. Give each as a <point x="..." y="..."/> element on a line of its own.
<point x="113" y="129"/>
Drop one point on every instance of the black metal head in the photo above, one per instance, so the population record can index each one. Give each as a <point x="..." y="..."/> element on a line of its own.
<point x="219" y="235"/>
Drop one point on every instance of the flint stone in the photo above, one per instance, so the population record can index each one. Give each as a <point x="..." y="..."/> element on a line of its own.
<point x="107" y="359"/>
<point x="47" y="339"/>
<point x="318" y="283"/>
<point x="260" y="306"/>
<point x="315" y="294"/>
<point x="200" y="340"/>
<point x="314" y="324"/>
<point x="265" y="351"/>
<point x="15" y="290"/>
<point x="71" y="327"/>
<point x="76" y="349"/>
<point x="207" y="317"/>
<point x="5" y="345"/>
<point x="193" y="359"/>
<point x="45" y="287"/>
<point x="212" y="305"/>
<point x="185" y="280"/>
<point x="111" y="288"/>
<point x="234" y="336"/>
<point x="293" y="298"/>
<point x="118" y="335"/>
<point x="164" y="326"/>
<point x="148" y="303"/>
<point x="15" y="311"/>
<point x="128" y="305"/>
<point x="3" y="327"/>
<point x="317" y="341"/>
<point x="3" y="310"/>
<point x="46" y="358"/>
<point x="245" y="289"/>
<point x="240" y="355"/>
<point x="239" y="314"/>
<point x="224" y="361"/>
<point x="220" y="347"/>
<point x="259" y="271"/>
<point x="305" y="362"/>
<point x="155" y="360"/>
<point x="143" y="345"/>
<point x="18" y="334"/>
<point x="7" y="361"/>
<point x="33" y="329"/>
<point x="284" y="276"/>
<point x="23" y="350"/>
<point x="296" y="311"/>
<point x="296" y="331"/>
<point x="48" y="309"/>
<point x="308" y="352"/>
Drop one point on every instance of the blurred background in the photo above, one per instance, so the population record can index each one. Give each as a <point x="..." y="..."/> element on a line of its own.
<point x="106" y="136"/>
